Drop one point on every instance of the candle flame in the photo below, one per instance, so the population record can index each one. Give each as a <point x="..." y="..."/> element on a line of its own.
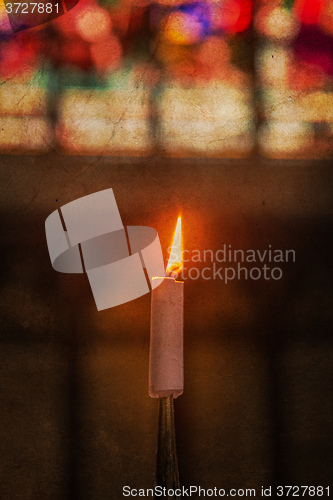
<point x="175" y="260"/>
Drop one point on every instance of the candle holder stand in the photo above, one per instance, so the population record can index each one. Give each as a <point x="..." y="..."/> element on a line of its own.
<point x="167" y="474"/>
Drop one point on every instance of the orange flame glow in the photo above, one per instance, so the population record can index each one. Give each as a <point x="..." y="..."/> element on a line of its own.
<point x="175" y="260"/>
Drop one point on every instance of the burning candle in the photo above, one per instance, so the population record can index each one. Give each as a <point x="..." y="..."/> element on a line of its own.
<point x="166" y="362"/>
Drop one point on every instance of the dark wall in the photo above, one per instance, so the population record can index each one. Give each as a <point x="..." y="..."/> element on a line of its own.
<point x="76" y="418"/>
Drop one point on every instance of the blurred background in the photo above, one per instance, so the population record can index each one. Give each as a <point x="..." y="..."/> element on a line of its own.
<point x="213" y="78"/>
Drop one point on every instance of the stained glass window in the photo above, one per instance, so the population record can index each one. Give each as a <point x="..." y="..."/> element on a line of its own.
<point x="217" y="78"/>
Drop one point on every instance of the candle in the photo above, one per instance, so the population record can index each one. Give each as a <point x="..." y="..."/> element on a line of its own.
<point x="166" y="361"/>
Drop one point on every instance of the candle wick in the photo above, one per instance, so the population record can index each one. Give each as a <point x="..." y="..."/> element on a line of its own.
<point x="173" y="270"/>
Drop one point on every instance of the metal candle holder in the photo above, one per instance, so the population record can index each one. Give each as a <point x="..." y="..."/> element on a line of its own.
<point x="167" y="474"/>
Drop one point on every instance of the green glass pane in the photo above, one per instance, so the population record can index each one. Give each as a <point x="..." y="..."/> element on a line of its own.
<point x="288" y="4"/>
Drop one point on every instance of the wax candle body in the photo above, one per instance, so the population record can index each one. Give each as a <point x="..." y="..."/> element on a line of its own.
<point x="166" y="363"/>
